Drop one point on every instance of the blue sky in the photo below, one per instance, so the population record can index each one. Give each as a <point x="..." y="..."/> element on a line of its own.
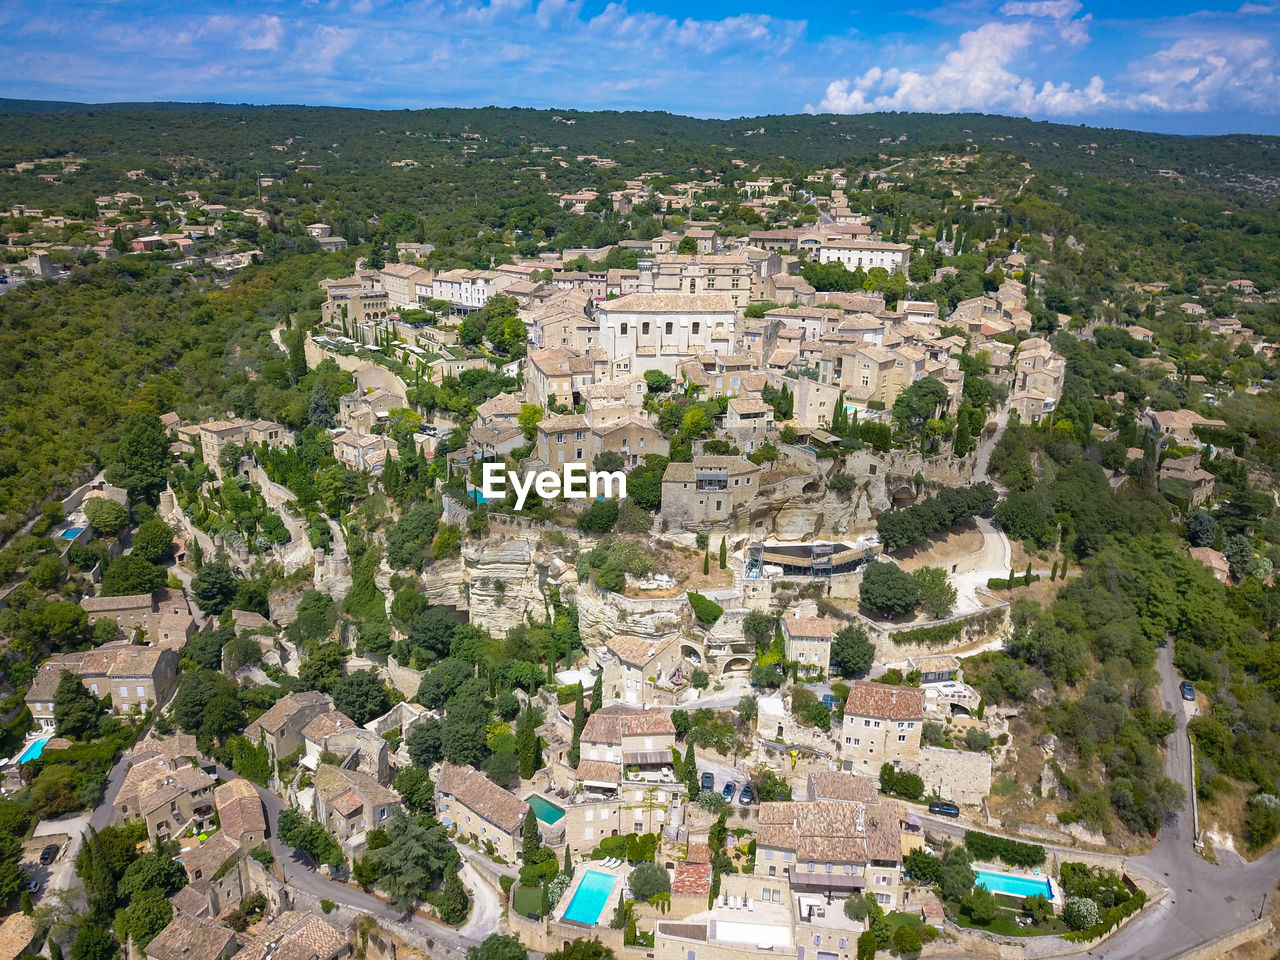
<point x="1172" y="67"/>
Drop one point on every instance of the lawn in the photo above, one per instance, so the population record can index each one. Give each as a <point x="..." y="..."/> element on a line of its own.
<point x="1005" y="922"/>
<point x="526" y="900"/>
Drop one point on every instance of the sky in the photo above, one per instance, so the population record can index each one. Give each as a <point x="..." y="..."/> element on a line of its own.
<point x="1174" y="66"/>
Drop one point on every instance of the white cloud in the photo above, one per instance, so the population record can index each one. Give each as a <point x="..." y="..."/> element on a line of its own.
<point x="974" y="76"/>
<point x="1072" y="32"/>
<point x="262" y="33"/>
<point x="1197" y="74"/>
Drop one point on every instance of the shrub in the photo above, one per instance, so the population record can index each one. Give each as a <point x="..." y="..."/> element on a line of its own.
<point x="707" y="611"/>
<point x="1080" y="913"/>
<point x="327" y="906"/>
<point x="648" y="880"/>
<point x="907" y="939"/>
<point x="984" y="846"/>
<point x="866" y="945"/>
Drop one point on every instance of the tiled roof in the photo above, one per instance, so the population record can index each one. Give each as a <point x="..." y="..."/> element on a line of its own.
<point x="274" y="719"/>
<point x="105" y="604"/>
<point x="692" y="878"/>
<point x="190" y="938"/>
<point x="610" y="724"/>
<point x="826" y="830"/>
<point x="16" y="934"/>
<point x="239" y="809"/>
<point x="637" y="650"/>
<point x="885" y="702"/>
<point x="670" y="303"/>
<point x="817" y="627"/>
<point x="295" y="935"/>
<point x="332" y="782"/>
<point x="347" y="804"/>
<point x="836" y="785"/>
<point x="598" y="771"/>
<point x="474" y="790"/>
<point x="192" y="899"/>
<point x="204" y="861"/>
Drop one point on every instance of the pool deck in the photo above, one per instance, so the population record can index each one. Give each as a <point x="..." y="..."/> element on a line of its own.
<point x="580" y="870"/>
<point x="1055" y="891"/>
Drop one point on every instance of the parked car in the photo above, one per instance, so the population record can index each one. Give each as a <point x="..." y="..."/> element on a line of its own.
<point x="1188" y="691"/>
<point x="729" y="790"/>
<point x="746" y="796"/>
<point x="944" y="809"/>
<point x="31" y="886"/>
<point x="708" y="781"/>
<point x="48" y="854"/>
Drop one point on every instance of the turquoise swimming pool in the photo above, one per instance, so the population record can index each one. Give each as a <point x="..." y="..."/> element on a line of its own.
<point x="590" y="898"/>
<point x="544" y="810"/>
<point x="34" y="749"/>
<point x="1015" y="885"/>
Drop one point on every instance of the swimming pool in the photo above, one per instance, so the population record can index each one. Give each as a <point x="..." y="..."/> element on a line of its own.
<point x="72" y="532"/>
<point x="1015" y="885"/>
<point x="590" y="898"/>
<point x="545" y="810"/>
<point x="34" y="749"/>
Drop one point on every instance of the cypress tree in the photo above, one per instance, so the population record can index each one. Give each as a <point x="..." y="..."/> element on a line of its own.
<point x="527" y="745"/>
<point x="568" y="860"/>
<point x="1026" y="578"/>
<point x="1053" y="572"/>
<point x="724" y="553"/>
<point x="529" y="840"/>
<point x="691" y="772"/>
<point x="597" y="692"/>
<point x="706" y="561"/>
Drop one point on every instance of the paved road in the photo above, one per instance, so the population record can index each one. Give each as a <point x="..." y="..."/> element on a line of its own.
<point x="299" y="873"/>
<point x="1205" y="900"/>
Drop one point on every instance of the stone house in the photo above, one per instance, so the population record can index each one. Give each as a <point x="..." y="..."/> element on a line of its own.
<point x="478" y="809"/>
<point x="882" y="724"/>
<point x="632" y="437"/>
<point x="632" y="666"/>
<point x="749" y="421"/>
<point x="169" y="794"/>
<point x="641" y="740"/>
<point x="191" y="938"/>
<point x="349" y="804"/>
<point x="708" y="490"/>
<point x="240" y="813"/>
<point x="283" y="723"/>
<point x="135" y="677"/>
<point x="833" y="848"/>
<point x="937" y="668"/>
<point x="559" y="373"/>
<point x="217" y="435"/>
<point x="296" y="935"/>
<point x="655" y="331"/>
<point x="807" y="641"/>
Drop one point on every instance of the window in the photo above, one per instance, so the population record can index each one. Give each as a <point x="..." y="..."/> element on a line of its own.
<point x="788" y="856"/>
<point x="848" y="739"/>
<point x="622" y="329"/>
<point x="382" y="813"/>
<point x="773" y="871"/>
<point x="857" y="742"/>
<point x="828" y="868"/>
<point x="768" y="854"/>
<point x="124" y="692"/>
<point x="141" y="692"/>
<point x="777" y="896"/>
<point x="644" y="328"/>
<point x="719" y="504"/>
<point x="733" y="283"/>
<point x="696" y="327"/>
<point x="811" y="866"/>
<point x="817" y="939"/>
<point x="577" y="436"/>
<point x="560" y="438"/>
<point x="866" y="723"/>
<point x="902" y="738"/>
<point x="843" y="943"/>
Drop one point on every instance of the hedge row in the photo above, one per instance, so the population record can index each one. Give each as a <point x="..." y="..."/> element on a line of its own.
<point x="985" y="846"/>
<point x="1109" y="920"/>
<point x="707" y="611"/>
<point x="1002" y="583"/>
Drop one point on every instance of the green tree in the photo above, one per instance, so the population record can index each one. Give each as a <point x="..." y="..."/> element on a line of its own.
<point x="94" y="943"/>
<point x="937" y="595"/>
<point x="724" y="554"/>
<point x="453" y="902"/>
<point x="852" y="653"/>
<point x="981" y="905"/>
<point x="153" y="541"/>
<point x="144" y="457"/>
<point x="361" y="696"/>
<point x="416" y="787"/>
<point x="130" y="576"/>
<point x="527" y="744"/>
<point x="888" y="591"/>
<point x="648" y="880"/>
<point x="583" y="949"/>
<point x="687" y="246"/>
<point x="463" y="737"/>
<point x="416" y="860"/>
<point x="424" y="743"/>
<point x="597" y="692"/>
<point x="77" y="713"/>
<point x="530" y="841"/>
<point x="148" y="914"/>
<point x="213" y="587"/>
<point x="498" y="946"/>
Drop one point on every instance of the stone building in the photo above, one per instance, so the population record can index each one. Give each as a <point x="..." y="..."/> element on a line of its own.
<point x="882" y="724"/>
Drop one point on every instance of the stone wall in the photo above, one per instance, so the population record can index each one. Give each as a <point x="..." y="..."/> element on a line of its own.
<point x="962" y="776"/>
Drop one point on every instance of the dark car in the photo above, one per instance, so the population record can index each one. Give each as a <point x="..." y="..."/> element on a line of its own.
<point x="729" y="790"/>
<point x="708" y="781"/>
<point x="48" y="854"/>
<point x="1188" y="691"/>
<point x="944" y="809"/>
<point x="746" y="796"/>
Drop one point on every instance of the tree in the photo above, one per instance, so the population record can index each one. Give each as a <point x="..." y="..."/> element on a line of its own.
<point x="918" y="403"/>
<point x="866" y="945"/>
<point x="907" y="939"/>
<point x="937" y="595"/>
<point x="583" y="949"/>
<point x="153" y="541"/>
<point x="852" y="653"/>
<point x="148" y="914"/>
<point x="888" y="591"/>
<point x="648" y="880"/>
<point x="1080" y="913"/>
<point x="144" y="457"/>
<point x="599" y="517"/>
<point x="1202" y="529"/>
<point x="724" y="554"/>
<point x="608" y="461"/>
<point x="416" y="860"/>
<point x="430" y="637"/>
<point x="213" y="587"/>
<point x="527" y="744"/>
<point x="688" y="246"/>
<point x="415" y="786"/>
<point x="94" y="943"/>
<point x="498" y="946"/>
<point x="130" y="576"/>
<point x="758" y="626"/>
<point x="748" y="708"/>
<point x="981" y="905"/>
<point x="320" y="411"/>
<point x="531" y="843"/>
<point x="453" y="902"/>
<point x="361" y="696"/>
<point x="424" y="743"/>
<point x="77" y="713"/>
<point x="597" y="692"/>
<point x="463" y="736"/>
<point x="151" y="871"/>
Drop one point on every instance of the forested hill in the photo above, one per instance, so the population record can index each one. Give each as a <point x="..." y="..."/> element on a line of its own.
<point x="239" y="139"/>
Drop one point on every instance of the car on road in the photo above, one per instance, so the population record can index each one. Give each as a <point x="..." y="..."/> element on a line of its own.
<point x="31" y="886"/>
<point x="1188" y="691"/>
<point x="944" y="809"/>
<point x="48" y="854"/>
<point x="746" y="796"/>
<point x="729" y="790"/>
<point x="708" y="781"/>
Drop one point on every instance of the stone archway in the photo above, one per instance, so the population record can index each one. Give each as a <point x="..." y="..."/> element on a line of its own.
<point x="737" y="664"/>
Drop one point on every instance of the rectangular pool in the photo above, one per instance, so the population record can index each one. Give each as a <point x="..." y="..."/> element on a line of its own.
<point x="544" y="810"/>
<point x="33" y="751"/>
<point x="1015" y="885"/>
<point x="590" y="898"/>
<point x="72" y="532"/>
